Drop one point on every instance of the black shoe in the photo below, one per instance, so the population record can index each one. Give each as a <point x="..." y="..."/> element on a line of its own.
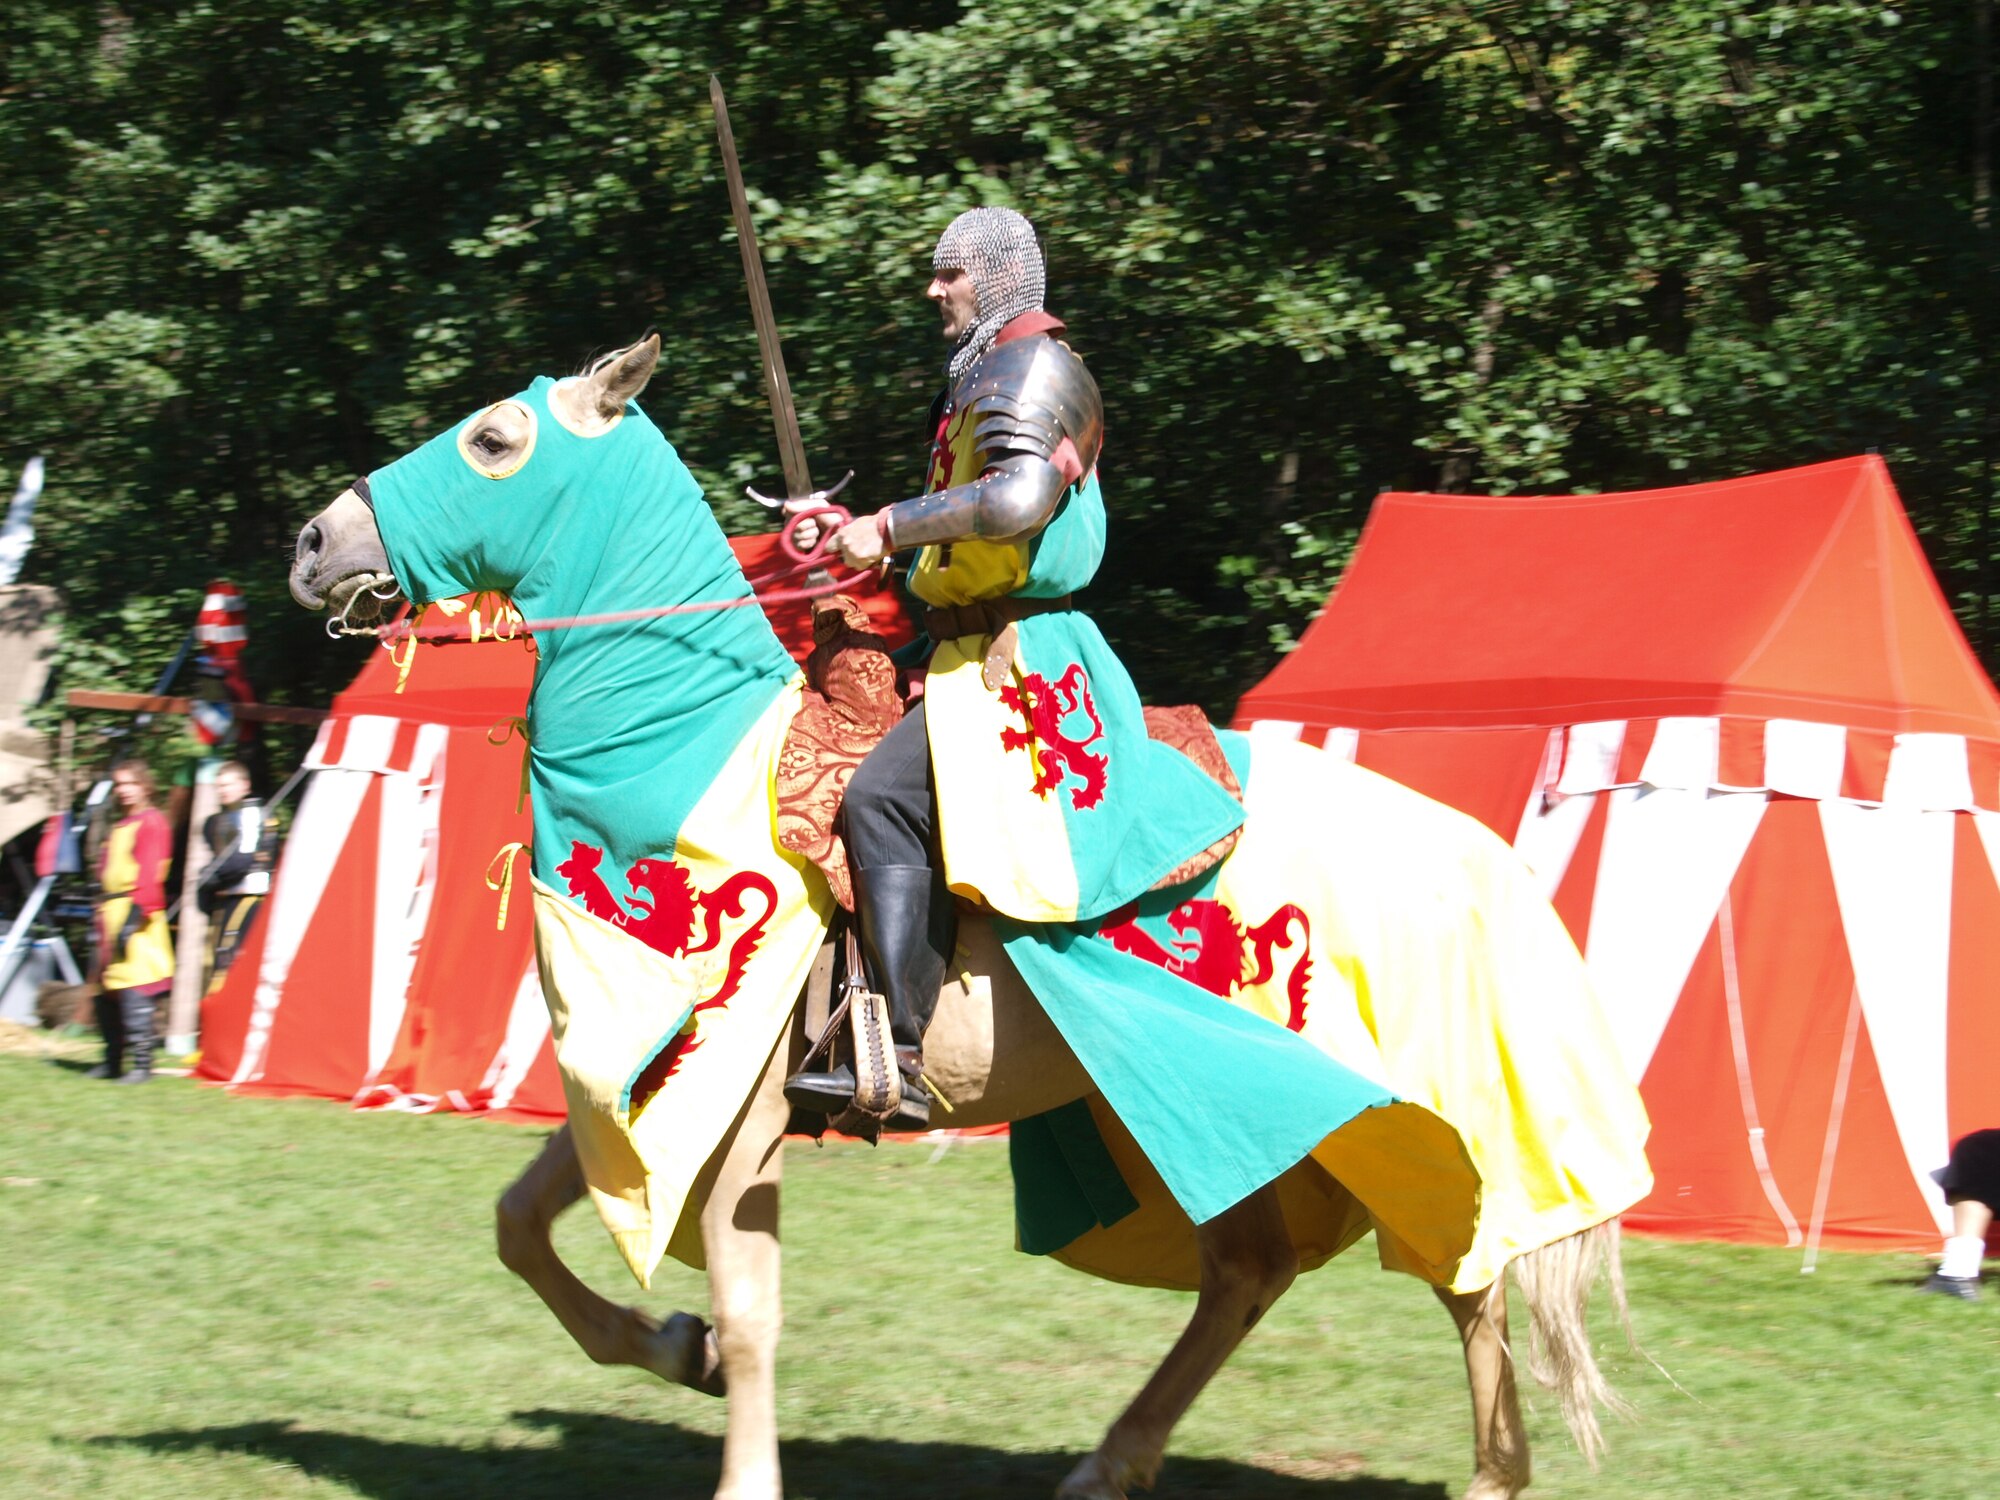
<point x="1965" y="1288"/>
<point x="914" y="1113"/>
<point x="110" y="1009"/>
<point x="826" y="1093"/>
<point x="138" y="1018"/>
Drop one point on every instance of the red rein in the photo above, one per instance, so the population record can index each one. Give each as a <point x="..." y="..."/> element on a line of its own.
<point x="805" y="560"/>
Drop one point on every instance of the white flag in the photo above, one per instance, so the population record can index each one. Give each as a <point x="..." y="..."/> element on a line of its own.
<point x="18" y="535"/>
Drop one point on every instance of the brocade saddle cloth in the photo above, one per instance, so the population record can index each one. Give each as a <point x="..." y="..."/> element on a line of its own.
<point x="851" y="701"/>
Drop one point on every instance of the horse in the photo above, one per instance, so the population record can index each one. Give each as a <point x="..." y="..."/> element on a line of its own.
<point x="992" y="1050"/>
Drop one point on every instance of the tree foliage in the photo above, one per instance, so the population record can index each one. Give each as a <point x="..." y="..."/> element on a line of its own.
<point x="1311" y="248"/>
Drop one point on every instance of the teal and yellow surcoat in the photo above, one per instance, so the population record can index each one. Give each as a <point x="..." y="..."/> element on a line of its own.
<point x="1053" y="805"/>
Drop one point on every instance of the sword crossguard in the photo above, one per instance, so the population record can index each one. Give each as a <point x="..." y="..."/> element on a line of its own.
<point x="817" y="497"/>
<point x="831" y="519"/>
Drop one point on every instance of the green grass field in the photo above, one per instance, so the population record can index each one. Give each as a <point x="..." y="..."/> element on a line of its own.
<point x="217" y="1297"/>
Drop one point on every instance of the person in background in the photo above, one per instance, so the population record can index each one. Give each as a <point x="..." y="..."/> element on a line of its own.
<point x="238" y="876"/>
<point x="135" y="949"/>
<point x="1971" y="1183"/>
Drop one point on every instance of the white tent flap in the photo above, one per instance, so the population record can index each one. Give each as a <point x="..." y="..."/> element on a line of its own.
<point x="1684" y="754"/>
<point x="1929" y="771"/>
<point x="1892" y="878"/>
<point x="1590" y="757"/>
<point x="405" y="876"/>
<point x="1548" y="838"/>
<point x="1803" y="759"/>
<point x="318" y="838"/>
<point x="1669" y="855"/>
<point x="527" y="1029"/>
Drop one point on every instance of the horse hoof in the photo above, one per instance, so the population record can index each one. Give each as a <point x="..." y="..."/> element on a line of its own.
<point x="690" y="1355"/>
<point x="1092" y="1480"/>
<point x="1486" y="1487"/>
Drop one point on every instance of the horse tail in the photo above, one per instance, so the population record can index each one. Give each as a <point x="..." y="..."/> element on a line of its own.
<point x="1556" y="1282"/>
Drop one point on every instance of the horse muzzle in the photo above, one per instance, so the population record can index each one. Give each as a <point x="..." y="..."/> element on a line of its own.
<point x="339" y="554"/>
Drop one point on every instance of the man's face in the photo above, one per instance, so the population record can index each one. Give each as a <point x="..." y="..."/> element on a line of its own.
<point x="129" y="790"/>
<point x="232" y="787"/>
<point x="958" y="303"/>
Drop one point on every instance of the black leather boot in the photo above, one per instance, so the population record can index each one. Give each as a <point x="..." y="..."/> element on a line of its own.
<point x="824" y="1092"/>
<point x="908" y="924"/>
<point x="138" y="1036"/>
<point x="110" y="1026"/>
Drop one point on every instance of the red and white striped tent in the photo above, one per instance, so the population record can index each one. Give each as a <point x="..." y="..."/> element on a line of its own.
<point x="379" y="970"/>
<point x="1738" y="735"/>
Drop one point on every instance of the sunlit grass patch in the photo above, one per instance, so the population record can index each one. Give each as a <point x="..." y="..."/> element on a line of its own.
<point x="213" y="1297"/>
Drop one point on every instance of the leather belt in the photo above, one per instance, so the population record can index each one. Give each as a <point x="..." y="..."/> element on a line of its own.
<point x="995" y="618"/>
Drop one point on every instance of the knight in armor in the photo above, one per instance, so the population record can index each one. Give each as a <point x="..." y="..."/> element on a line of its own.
<point x="1023" y="780"/>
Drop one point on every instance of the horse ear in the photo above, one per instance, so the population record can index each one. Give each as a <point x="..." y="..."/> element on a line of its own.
<point x="623" y="375"/>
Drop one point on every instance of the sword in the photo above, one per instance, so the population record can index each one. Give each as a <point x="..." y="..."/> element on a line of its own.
<point x="784" y="414"/>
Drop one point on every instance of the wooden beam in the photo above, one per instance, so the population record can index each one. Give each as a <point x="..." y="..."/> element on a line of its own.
<point x="151" y="703"/>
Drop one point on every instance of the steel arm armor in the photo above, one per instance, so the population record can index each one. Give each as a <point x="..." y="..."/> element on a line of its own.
<point x="1037" y="424"/>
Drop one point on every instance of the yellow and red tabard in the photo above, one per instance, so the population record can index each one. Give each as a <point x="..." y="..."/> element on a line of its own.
<point x="1053" y="804"/>
<point x="133" y="868"/>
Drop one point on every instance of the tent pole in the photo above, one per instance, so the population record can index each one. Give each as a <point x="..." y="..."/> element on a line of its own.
<point x="191" y="942"/>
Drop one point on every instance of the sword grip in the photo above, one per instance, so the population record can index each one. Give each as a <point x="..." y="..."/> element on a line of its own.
<point x="833" y="516"/>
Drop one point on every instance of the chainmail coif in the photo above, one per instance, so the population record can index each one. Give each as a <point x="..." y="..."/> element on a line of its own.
<point x="997" y="249"/>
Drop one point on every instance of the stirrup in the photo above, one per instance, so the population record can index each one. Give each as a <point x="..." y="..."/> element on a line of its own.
<point x="878" y="1082"/>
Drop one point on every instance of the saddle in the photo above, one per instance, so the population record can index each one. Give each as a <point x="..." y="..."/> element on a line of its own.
<point x="850" y="702"/>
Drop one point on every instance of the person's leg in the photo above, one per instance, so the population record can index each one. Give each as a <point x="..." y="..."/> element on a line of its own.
<point x="138" y="1035"/>
<point x="1971" y="1220"/>
<point x="889" y="813"/>
<point x="1957" y="1274"/>
<point x="1971" y="1183"/>
<point x="907" y="916"/>
<point x="111" y="1026"/>
<point x="903" y="907"/>
<point x="241" y="910"/>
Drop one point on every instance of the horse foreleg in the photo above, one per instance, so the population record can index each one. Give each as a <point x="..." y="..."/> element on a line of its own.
<point x="680" y="1350"/>
<point x="1499" y="1442"/>
<point x="739" y="1232"/>
<point x="1247" y="1262"/>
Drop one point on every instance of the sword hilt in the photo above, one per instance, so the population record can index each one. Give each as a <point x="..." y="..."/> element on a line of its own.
<point x="834" y="517"/>
<point x="817" y="497"/>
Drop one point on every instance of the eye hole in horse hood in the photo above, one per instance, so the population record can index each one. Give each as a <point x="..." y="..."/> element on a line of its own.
<point x="482" y="438"/>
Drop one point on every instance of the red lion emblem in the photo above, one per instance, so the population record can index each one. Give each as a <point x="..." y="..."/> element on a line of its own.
<point x="663" y="906"/>
<point x="1212" y="950"/>
<point x="1043" y="706"/>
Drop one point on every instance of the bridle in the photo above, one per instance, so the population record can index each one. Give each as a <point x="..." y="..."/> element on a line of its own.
<point x="804" y="561"/>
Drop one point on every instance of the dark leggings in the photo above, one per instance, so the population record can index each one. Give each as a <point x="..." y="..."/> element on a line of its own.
<point x="891" y="806"/>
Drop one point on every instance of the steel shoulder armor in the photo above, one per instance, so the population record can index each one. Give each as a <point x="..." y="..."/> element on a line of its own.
<point x="1037" y="424"/>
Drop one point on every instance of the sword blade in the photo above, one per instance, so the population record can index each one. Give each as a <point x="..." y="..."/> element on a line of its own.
<point x="784" y="414"/>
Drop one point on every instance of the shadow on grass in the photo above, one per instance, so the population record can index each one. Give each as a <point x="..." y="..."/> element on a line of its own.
<point x="595" y="1454"/>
